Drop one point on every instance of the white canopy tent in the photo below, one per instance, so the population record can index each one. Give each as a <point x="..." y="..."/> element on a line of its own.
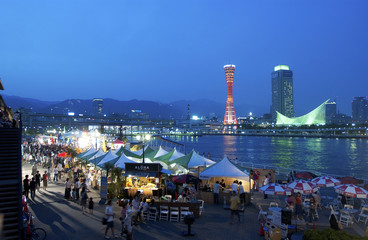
<point x="107" y="158"/>
<point x="120" y="163"/>
<point x="90" y="151"/>
<point x="224" y="168"/>
<point x="176" y="155"/>
<point x="160" y="152"/>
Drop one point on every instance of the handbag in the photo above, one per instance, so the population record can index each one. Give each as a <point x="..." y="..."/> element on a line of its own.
<point x="104" y="221"/>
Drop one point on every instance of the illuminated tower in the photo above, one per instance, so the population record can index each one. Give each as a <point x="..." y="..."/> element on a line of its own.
<point x="230" y="117"/>
<point x="282" y="92"/>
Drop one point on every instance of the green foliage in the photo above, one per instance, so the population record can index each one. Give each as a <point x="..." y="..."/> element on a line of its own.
<point x="330" y="234"/>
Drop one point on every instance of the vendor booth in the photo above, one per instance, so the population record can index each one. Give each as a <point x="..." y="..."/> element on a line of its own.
<point x="227" y="171"/>
<point x="144" y="178"/>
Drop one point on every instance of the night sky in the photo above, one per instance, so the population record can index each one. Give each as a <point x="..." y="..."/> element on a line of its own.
<point x="175" y="50"/>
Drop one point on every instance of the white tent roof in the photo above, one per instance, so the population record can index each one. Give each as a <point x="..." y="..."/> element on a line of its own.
<point x="97" y="154"/>
<point x="224" y="168"/>
<point x="120" y="163"/>
<point x="160" y="152"/>
<point x="88" y="152"/>
<point x="176" y="155"/>
<point x="198" y="161"/>
<point x="108" y="157"/>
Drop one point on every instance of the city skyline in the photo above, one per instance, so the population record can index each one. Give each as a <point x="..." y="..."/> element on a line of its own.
<point x="175" y="51"/>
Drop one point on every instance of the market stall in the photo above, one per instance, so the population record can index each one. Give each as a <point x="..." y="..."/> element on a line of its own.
<point x="144" y="178"/>
<point x="227" y="171"/>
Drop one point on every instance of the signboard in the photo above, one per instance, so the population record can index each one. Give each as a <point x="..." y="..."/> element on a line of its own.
<point x="143" y="167"/>
<point x="103" y="188"/>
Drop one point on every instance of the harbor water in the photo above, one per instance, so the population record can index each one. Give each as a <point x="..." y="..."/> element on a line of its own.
<point x="333" y="156"/>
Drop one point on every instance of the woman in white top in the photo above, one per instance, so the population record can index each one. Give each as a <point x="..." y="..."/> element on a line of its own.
<point x="109" y="212"/>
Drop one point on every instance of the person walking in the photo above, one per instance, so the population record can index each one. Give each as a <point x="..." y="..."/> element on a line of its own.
<point x="109" y="212"/>
<point x="44" y="180"/>
<point x="84" y="198"/>
<point x="26" y="185"/>
<point x="34" y="169"/>
<point x="298" y="207"/>
<point x="241" y="193"/>
<point x="60" y="170"/>
<point x="234" y="206"/>
<point x="56" y="173"/>
<point x="68" y="188"/>
<point x="77" y="186"/>
<point x="216" y="192"/>
<point x="32" y="188"/>
<point x="49" y="174"/>
<point x="91" y="205"/>
<point x="38" y="180"/>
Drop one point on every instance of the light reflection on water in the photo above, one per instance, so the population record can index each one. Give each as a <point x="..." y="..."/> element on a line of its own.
<point x="333" y="156"/>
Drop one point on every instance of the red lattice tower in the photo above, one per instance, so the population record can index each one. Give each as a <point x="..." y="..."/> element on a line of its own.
<point x="230" y="117"/>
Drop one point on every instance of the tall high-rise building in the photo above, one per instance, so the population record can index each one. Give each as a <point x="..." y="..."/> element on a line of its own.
<point x="97" y="105"/>
<point x="230" y="117"/>
<point x="331" y="111"/>
<point x="282" y="92"/>
<point x="359" y="110"/>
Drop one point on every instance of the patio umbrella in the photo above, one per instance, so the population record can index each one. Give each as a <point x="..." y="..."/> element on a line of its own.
<point x="63" y="154"/>
<point x="185" y="178"/>
<point x="303" y="186"/>
<point x="326" y="181"/>
<point x="275" y="189"/>
<point x="351" y="190"/>
<point x="305" y="175"/>
<point x="349" y="180"/>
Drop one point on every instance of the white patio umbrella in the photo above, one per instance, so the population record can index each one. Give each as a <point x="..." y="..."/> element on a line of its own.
<point x="326" y="181"/>
<point x="302" y="186"/>
<point x="351" y="190"/>
<point x="275" y="189"/>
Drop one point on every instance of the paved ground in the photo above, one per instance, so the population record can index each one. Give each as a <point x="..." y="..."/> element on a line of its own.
<point x="64" y="220"/>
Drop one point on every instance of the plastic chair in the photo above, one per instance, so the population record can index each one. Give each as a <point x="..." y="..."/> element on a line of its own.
<point x="334" y="211"/>
<point x="174" y="214"/>
<point x="261" y="213"/>
<point x="345" y="218"/>
<point x="363" y="215"/>
<point x="183" y="211"/>
<point x="348" y="206"/>
<point x="274" y="204"/>
<point x="152" y="214"/>
<point x="164" y="213"/>
<point x="201" y="207"/>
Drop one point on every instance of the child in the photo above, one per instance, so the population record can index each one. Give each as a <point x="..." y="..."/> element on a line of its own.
<point x="73" y="194"/>
<point x="90" y="205"/>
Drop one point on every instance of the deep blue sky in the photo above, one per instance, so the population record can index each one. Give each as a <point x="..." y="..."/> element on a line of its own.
<point x="175" y="50"/>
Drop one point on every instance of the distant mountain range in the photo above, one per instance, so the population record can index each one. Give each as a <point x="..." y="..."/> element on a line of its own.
<point x="177" y="109"/>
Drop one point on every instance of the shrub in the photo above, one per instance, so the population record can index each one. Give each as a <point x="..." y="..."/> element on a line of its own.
<point x="330" y="234"/>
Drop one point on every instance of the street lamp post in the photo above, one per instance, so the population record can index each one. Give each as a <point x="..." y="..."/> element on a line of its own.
<point x="144" y="137"/>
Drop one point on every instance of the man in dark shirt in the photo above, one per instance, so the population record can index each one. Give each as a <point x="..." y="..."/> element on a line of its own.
<point x="38" y="180"/>
<point x="26" y="185"/>
<point x="32" y="187"/>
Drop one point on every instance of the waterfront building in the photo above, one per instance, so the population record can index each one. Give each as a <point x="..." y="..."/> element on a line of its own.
<point x="359" y="110"/>
<point x="282" y="92"/>
<point x="331" y="110"/>
<point x="97" y="104"/>
<point x="317" y="116"/>
<point x="230" y="116"/>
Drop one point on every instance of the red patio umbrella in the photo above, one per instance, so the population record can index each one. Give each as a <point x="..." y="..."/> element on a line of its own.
<point x="63" y="154"/>
<point x="305" y="175"/>
<point x="349" y="180"/>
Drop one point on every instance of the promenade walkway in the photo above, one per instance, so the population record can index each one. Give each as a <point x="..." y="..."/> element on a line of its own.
<point x="64" y="220"/>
